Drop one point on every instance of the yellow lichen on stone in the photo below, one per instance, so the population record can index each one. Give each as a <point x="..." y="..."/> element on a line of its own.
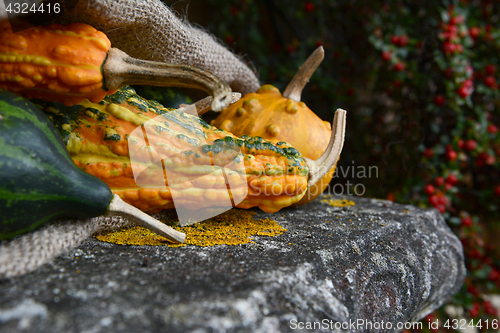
<point x="233" y="227"/>
<point x="336" y="203"/>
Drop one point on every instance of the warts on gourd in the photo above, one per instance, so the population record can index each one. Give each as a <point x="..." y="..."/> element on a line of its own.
<point x="284" y="117"/>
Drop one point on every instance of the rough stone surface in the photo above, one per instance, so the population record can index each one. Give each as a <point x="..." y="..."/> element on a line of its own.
<point x="375" y="261"/>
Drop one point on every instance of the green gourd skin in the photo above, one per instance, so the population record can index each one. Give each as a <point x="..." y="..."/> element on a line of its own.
<point x="166" y="96"/>
<point x="38" y="180"/>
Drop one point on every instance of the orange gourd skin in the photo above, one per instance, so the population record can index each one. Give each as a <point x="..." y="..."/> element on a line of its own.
<point x="266" y="113"/>
<point x="97" y="138"/>
<point x="54" y="63"/>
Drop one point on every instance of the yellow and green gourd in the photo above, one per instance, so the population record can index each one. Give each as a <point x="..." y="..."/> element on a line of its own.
<point x="97" y="137"/>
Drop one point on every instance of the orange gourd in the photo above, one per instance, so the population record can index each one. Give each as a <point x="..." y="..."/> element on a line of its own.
<point x="54" y="63"/>
<point x="71" y="63"/>
<point x="273" y="116"/>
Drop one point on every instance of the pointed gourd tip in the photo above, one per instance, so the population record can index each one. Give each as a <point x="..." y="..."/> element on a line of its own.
<point x="235" y="97"/>
<point x="118" y="207"/>
<point x="294" y="89"/>
<point x="320" y="52"/>
<point x="221" y="102"/>
<point x="320" y="167"/>
<point x="204" y="105"/>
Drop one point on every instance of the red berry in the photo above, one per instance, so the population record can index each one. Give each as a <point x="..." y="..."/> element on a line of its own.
<point x="441" y="208"/>
<point x="403" y="40"/>
<point x="395" y="40"/>
<point x="429" y="189"/>
<point x="400" y="66"/>
<point x="494" y="275"/>
<point x="463" y="92"/>
<point x="460" y="143"/>
<point x="474" y="311"/>
<point x="447" y="187"/>
<point x="452" y="29"/>
<point x="490" y="309"/>
<point x="439" y="181"/>
<point x="309" y="7"/>
<point x="468" y="84"/>
<point x="229" y="39"/>
<point x="470" y="144"/>
<point x="482" y="155"/>
<point x="428" y="152"/>
<point x="467" y="221"/>
<point x="460" y="48"/>
<point x="452" y="179"/>
<point x="438" y="100"/>
<point x="451" y="155"/>
<point x="474" y="32"/>
<point x="490" y="160"/>
<point x="290" y="48"/>
<point x="434" y="200"/>
<point x="492" y="129"/>
<point x="449" y="48"/>
<point x="490" y="81"/>
<point x="497" y="191"/>
<point x="443" y="199"/>
<point x="386" y="55"/>
<point x="490" y="69"/>
<point x="458" y="19"/>
<point x="472" y="289"/>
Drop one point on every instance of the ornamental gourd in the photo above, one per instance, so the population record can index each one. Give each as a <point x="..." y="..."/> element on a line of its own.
<point x="71" y="63"/>
<point x="102" y="137"/>
<point x="273" y="116"/>
<point x="39" y="182"/>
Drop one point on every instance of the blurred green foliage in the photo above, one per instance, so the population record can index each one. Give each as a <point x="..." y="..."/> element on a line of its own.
<point x="419" y="81"/>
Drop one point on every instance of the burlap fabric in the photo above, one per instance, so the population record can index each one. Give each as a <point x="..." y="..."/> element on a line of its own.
<point x="144" y="29"/>
<point x="26" y="253"/>
<point x="147" y="29"/>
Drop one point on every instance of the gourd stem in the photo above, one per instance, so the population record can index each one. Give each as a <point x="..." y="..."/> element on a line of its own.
<point x="294" y="89"/>
<point x="320" y="167"/>
<point x="117" y="207"/>
<point x="204" y="105"/>
<point x="120" y="70"/>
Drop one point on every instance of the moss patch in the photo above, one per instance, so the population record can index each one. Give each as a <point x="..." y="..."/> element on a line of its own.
<point x="327" y="199"/>
<point x="233" y="227"/>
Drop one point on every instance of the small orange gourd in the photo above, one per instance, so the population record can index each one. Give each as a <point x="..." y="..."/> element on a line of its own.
<point x="71" y="63"/>
<point x="273" y="116"/>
